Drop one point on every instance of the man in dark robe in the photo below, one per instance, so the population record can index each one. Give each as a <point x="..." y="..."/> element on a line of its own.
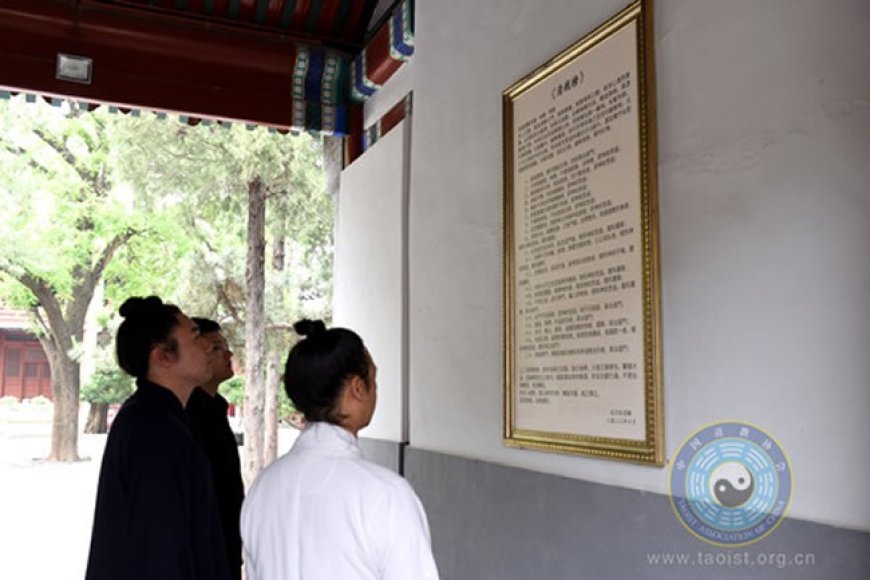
<point x="208" y="419"/>
<point x="156" y="516"/>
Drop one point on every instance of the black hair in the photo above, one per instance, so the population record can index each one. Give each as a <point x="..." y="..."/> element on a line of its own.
<point x="147" y="323"/>
<point x="206" y="325"/>
<point x="318" y="366"/>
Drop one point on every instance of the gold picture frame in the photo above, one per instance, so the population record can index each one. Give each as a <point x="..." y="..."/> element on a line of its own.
<point x="582" y="323"/>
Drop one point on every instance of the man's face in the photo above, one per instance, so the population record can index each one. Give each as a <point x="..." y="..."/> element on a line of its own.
<point x="219" y="356"/>
<point x="192" y="361"/>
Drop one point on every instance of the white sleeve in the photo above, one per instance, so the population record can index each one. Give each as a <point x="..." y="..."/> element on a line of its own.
<point x="408" y="550"/>
<point x="247" y="534"/>
<point x="250" y="567"/>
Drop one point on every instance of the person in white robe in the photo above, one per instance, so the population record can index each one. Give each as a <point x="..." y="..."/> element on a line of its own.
<point x="322" y="512"/>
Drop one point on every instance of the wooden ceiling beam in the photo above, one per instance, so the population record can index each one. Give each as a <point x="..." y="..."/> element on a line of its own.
<point x="148" y="63"/>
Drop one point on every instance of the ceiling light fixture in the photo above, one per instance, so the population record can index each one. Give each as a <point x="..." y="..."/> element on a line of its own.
<point x="75" y="69"/>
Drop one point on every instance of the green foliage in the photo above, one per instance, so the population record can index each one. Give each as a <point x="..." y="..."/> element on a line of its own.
<point x="214" y="166"/>
<point x="60" y="207"/>
<point x="8" y="401"/>
<point x="65" y="206"/>
<point x="72" y="181"/>
<point x="107" y="385"/>
<point x="233" y="390"/>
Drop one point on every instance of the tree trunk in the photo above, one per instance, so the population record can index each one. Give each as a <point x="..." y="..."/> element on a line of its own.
<point x="65" y="422"/>
<point x="255" y="325"/>
<point x="333" y="163"/>
<point x="97" y="418"/>
<point x="273" y="386"/>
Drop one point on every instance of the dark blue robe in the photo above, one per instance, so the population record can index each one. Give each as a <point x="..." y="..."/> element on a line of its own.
<point x="156" y="515"/>
<point x="208" y="421"/>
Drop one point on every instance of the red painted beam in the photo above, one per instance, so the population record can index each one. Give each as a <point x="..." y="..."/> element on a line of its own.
<point x="246" y="10"/>
<point x="219" y="18"/>
<point x="328" y="13"/>
<point x="353" y="142"/>
<point x="273" y="14"/>
<point x="248" y="99"/>
<point x="380" y="65"/>
<point x="354" y="16"/>
<point x="300" y="14"/>
<point x="151" y="33"/>
<point x="147" y="62"/>
<point x="393" y="117"/>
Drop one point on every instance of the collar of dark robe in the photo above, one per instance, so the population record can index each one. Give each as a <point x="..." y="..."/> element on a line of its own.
<point x="160" y="395"/>
<point x="201" y="399"/>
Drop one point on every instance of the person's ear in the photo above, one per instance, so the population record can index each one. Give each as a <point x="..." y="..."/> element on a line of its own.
<point x="161" y="357"/>
<point x="358" y="388"/>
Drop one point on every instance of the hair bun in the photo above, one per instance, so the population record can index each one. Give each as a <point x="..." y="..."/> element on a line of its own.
<point x="309" y="328"/>
<point x="137" y="307"/>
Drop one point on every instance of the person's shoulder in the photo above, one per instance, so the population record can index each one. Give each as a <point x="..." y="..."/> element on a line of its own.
<point x="198" y="403"/>
<point x="376" y="471"/>
<point x="388" y="494"/>
<point x="148" y="425"/>
<point x="382" y="479"/>
<point x="221" y="402"/>
<point x="135" y="411"/>
<point x="272" y="477"/>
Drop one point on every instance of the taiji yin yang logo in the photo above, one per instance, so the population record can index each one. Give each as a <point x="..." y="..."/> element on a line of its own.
<point x="730" y="484"/>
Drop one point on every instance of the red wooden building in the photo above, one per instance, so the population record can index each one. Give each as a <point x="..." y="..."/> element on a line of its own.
<point x="25" y="370"/>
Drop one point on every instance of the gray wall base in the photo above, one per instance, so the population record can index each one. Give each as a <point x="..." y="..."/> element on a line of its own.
<point x="385" y="453"/>
<point x="491" y="522"/>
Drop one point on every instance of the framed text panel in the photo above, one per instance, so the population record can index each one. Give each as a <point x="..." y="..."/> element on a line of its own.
<point x="582" y="345"/>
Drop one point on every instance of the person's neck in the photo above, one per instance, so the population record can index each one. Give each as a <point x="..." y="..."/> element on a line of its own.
<point x="350" y="414"/>
<point x="352" y="430"/>
<point x="176" y="386"/>
<point x="210" y="388"/>
<point x="351" y="424"/>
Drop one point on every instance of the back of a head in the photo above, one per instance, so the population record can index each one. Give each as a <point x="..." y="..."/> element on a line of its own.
<point x="318" y="366"/>
<point x="147" y="323"/>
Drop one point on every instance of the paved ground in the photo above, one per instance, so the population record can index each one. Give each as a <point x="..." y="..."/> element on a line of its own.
<point x="46" y="509"/>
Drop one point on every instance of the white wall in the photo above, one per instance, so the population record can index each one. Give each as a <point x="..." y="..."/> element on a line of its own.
<point x="764" y="144"/>
<point x="370" y="280"/>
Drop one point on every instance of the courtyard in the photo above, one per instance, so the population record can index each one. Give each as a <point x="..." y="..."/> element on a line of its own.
<point x="47" y="508"/>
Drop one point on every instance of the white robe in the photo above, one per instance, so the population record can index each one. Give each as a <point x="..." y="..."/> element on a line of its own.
<point x="323" y="512"/>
